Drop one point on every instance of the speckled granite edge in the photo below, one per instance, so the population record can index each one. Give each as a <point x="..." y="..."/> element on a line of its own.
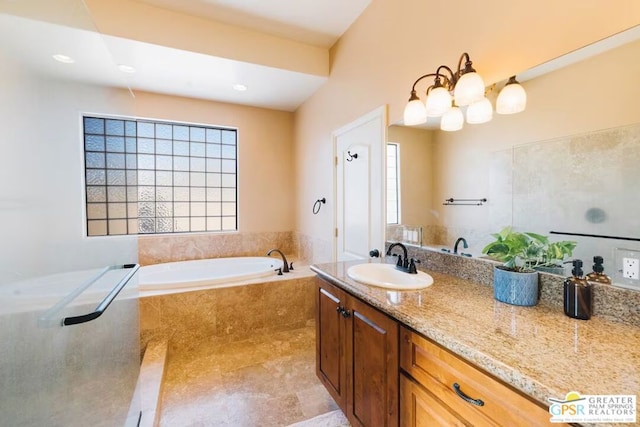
<point x="609" y="302"/>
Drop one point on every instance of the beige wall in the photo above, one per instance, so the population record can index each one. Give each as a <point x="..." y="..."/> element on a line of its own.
<point x="394" y="42"/>
<point x="265" y="141"/>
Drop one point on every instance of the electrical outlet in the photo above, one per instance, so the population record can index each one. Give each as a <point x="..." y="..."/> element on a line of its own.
<point x="631" y="268"/>
<point x="626" y="273"/>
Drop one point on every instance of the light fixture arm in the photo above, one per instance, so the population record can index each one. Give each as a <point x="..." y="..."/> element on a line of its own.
<point x="449" y="81"/>
<point x="468" y="65"/>
<point x="512" y="80"/>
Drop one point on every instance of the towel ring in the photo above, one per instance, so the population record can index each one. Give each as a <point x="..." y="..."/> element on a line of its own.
<point x="318" y="204"/>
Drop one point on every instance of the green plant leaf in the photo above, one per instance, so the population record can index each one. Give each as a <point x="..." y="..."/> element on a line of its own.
<point x="527" y="250"/>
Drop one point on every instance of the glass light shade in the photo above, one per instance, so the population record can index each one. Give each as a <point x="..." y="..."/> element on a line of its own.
<point x="469" y="89"/>
<point x="452" y="120"/>
<point x="438" y="102"/>
<point x="512" y="99"/>
<point x="415" y="113"/>
<point x="479" y="112"/>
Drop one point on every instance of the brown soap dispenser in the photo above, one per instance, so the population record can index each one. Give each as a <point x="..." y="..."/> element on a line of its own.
<point x="597" y="275"/>
<point x="578" y="300"/>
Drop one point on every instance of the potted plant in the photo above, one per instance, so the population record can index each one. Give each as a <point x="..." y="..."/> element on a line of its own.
<point x="516" y="281"/>
<point x="550" y="255"/>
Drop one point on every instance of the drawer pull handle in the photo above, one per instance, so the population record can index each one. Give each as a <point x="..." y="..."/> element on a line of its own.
<point x="477" y="402"/>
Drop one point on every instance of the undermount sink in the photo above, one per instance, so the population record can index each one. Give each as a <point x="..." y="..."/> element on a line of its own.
<point x="386" y="276"/>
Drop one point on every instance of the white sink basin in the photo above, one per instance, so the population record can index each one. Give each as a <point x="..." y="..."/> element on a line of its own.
<point x="386" y="276"/>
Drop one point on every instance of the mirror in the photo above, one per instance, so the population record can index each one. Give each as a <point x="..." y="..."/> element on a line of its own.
<point x="568" y="163"/>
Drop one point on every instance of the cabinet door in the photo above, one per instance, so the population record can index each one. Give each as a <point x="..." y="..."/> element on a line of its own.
<point x="372" y="350"/>
<point x="330" y="338"/>
<point x="419" y="408"/>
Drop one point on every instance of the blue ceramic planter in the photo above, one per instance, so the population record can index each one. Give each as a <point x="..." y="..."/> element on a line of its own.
<point x="515" y="288"/>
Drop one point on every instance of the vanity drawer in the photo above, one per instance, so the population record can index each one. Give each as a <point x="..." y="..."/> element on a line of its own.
<point x="437" y="370"/>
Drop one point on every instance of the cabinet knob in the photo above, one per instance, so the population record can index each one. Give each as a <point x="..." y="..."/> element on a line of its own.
<point x="345" y="313"/>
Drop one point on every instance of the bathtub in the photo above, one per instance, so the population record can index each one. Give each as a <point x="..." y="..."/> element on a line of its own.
<point x="205" y="272"/>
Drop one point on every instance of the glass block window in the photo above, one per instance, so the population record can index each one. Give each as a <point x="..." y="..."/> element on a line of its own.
<point x="147" y="177"/>
<point x="393" y="184"/>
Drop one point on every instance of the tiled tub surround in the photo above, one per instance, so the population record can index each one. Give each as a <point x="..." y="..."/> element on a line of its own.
<point x="167" y="248"/>
<point x="187" y="317"/>
<point x="538" y="350"/>
<point x="182" y="247"/>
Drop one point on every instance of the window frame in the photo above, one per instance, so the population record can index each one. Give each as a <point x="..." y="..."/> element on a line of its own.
<point x="233" y="172"/>
<point x="398" y="184"/>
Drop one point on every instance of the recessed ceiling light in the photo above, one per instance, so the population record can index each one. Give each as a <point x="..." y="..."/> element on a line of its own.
<point x="64" y="59"/>
<point x="126" y="69"/>
<point x="240" y="87"/>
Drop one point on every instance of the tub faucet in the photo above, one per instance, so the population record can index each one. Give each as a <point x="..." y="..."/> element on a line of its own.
<point x="464" y="244"/>
<point x="285" y="267"/>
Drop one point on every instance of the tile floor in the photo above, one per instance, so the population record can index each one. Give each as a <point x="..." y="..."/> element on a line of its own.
<point x="267" y="380"/>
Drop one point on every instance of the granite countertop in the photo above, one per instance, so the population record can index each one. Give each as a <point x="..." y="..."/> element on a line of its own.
<point x="538" y="350"/>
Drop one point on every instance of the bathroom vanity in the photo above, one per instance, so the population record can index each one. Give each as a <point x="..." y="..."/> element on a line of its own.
<point x="429" y="357"/>
<point x="357" y="357"/>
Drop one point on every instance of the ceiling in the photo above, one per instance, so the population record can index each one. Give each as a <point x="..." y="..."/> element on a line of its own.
<point x="181" y="71"/>
<point x="315" y="22"/>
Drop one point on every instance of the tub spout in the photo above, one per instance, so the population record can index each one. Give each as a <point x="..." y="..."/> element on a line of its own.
<point x="285" y="267"/>
<point x="464" y="243"/>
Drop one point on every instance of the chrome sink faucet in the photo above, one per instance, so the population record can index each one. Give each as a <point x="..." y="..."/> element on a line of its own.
<point x="404" y="264"/>
<point x="464" y="244"/>
<point x="285" y="267"/>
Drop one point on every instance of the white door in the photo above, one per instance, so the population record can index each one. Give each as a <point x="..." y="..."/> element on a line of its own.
<point x="360" y="186"/>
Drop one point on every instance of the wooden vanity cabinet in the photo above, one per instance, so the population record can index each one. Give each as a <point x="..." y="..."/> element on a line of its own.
<point x="357" y="357"/>
<point x="419" y="408"/>
<point x="429" y="396"/>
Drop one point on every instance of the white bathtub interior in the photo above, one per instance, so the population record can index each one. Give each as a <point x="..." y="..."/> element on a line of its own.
<point x="206" y="272"/>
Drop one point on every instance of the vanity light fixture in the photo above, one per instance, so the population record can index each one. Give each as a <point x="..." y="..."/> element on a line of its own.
<point x="468" y="90"/>
<point x="512" y="98"/>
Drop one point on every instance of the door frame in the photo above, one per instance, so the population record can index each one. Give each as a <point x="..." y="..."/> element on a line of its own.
<point x="381" y="113"/>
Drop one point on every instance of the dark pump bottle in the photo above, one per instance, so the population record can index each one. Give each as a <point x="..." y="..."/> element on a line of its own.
<point x="598" y="276"/>
<point x="578" y="298"/>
